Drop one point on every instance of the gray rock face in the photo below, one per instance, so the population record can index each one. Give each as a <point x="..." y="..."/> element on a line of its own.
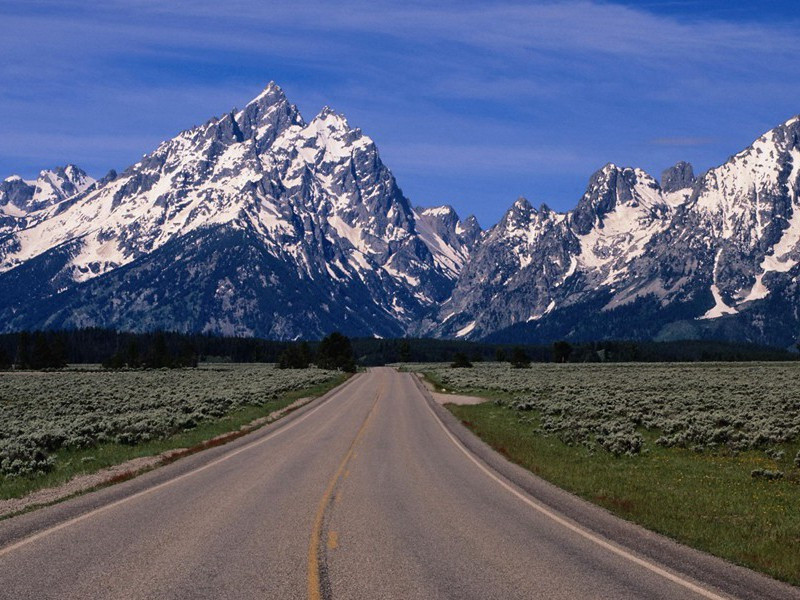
<point x="678" y="177"/>
<point x="332" y="241"/>
<point x="51" y="187"/>
<point x="260" y="223"/>
<point x="692" y="257"/>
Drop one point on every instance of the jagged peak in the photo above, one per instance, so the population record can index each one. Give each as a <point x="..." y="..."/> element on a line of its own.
<point x="271" y="94"/>
<point x="520" y="212"/>
<point x="266" y="116"/>
<point x="522" y="204"/>
<point x="331" y="119"/>
<point x="677" y="177"/>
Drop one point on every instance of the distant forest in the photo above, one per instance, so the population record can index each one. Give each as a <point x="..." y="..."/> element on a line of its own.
<point x="54" y="349"/>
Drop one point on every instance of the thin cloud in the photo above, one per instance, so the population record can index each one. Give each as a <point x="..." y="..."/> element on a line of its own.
<point x="683" y="141"/>
<point x="448" y="86"/>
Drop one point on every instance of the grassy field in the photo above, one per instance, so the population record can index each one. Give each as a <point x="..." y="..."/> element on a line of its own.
<point x="61" y="424"/>
<point x="671" y="447"/>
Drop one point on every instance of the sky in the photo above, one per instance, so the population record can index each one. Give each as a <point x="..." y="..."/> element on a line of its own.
<point x="471" y="104"/>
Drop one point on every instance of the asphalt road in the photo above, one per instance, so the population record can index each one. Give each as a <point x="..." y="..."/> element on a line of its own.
<point x="370" y="492"/>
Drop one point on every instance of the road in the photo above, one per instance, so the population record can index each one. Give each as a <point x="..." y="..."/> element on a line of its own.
<point x="369" y="492"/>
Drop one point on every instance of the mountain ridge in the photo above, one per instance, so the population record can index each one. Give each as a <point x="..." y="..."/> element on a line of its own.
<point x="277" y="227"/>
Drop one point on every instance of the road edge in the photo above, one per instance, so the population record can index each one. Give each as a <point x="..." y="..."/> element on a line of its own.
<point x="705" y="569"/>
<point x="17" y="528"/>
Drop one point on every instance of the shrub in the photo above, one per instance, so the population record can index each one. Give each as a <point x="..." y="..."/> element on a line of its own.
<point x="766" y="474"/>
<point x="460" y="361"/>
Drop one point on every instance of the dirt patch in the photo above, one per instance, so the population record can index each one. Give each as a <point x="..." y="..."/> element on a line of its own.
<point x="132" y="468"/>
<point x="457" y="399"/>
<point x="450" y="398"/>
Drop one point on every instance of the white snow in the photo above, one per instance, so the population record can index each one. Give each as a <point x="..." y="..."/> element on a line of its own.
<point x="625" y="231"/>
<point x="549" y="309"/>
<point x="12" y="211"/>
<point x="466" y="329"/>
<point x="720" y="308"/>
<point x="437" y="211"/>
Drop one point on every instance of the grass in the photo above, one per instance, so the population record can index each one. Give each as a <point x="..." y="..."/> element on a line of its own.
<point x="706" y="500"/>
<point x="73" y="461"/>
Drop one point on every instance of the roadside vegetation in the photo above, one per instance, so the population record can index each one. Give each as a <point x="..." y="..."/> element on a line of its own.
<point x="708" y="454"/>
<point x="60" y="424"/>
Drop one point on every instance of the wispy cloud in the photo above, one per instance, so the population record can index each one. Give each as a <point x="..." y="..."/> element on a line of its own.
<point x="449" y="86"/>
<point x="683" y="141"/>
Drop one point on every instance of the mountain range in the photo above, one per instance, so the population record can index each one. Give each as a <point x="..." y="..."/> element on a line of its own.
<point x="258" y="223"/>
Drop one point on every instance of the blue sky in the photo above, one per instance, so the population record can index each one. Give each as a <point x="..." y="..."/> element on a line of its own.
<point x="471" y="104"/>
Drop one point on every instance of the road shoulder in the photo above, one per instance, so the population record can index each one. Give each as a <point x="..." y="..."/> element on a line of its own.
<point x="711" y="571"/>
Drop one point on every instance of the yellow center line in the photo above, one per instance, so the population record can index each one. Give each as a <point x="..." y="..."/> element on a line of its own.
<point x="314" y="579"/>
<point x="333" y="540"/>
<point x="282" y="427"/>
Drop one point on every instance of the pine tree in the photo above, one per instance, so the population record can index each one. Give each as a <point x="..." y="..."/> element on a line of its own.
<point x="561" y="351"/>
<point x="294" y="357"/>
<point x="23" y="358"/>
<point x="519" y="358"/>
<point x="41" y="355"/>
<point x="5" y="360"/>
<point x="404" y="351"/>
<point x="460" y="361"/>
<point x="336" y="352"/>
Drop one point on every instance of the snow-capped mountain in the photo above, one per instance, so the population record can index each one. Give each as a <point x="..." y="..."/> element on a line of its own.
<point x="19" y="197"/>
<point x="255" y="223"/>
<point x="260" y="223"/>
<point x="714" y="256"/>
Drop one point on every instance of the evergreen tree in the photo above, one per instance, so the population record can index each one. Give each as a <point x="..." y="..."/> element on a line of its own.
<point x="23" y="358"/>
<point x="41" y="357"/>
<point x="132" y="359"/>
<point x="519" y="358"/>
<point x="460" y="361"/>
<point x="404" y="351"/>
<point x="5" y="360"/>
<point x="561" y="351"/>
<point x="500" y="355"/>
<point x="336" y="352"/>
<point x="58" y="351"/>
<point x="159" y="356"/>
<point x="188" y="355"/>
<point x="306" y="356"/>
<point x="294" y="357"/>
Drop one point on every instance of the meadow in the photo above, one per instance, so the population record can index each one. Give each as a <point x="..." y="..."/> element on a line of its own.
<point x="708" y="454"/>
<point x="56" y="424"/>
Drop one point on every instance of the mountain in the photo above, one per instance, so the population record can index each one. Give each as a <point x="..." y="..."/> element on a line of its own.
<point x="689" y="257"/>
<point x="254" y="223"/>
<point x="19" y="199"/>
<point x="258" y="223"/>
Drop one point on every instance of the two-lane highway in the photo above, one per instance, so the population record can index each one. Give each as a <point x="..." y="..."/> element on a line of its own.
<point x="364" y="494"/>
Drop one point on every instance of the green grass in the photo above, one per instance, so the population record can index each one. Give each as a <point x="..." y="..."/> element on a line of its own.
<point x="706" y="500"/>
<point x="72" y="462"/>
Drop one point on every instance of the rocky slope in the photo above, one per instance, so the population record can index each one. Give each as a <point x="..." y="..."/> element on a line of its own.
<point x="260" y="223"/>
<point x="714" y="256"/>
<point x="255" y="223"/>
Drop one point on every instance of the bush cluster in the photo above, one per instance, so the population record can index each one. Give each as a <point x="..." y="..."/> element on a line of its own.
<point x="695" y="406"/>
<point x="45" y="412"/>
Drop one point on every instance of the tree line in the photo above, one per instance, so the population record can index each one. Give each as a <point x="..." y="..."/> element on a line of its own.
<point x="55" y="349"/>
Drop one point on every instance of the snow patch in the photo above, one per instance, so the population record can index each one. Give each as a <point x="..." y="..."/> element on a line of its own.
<point x="465" y="330"/>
